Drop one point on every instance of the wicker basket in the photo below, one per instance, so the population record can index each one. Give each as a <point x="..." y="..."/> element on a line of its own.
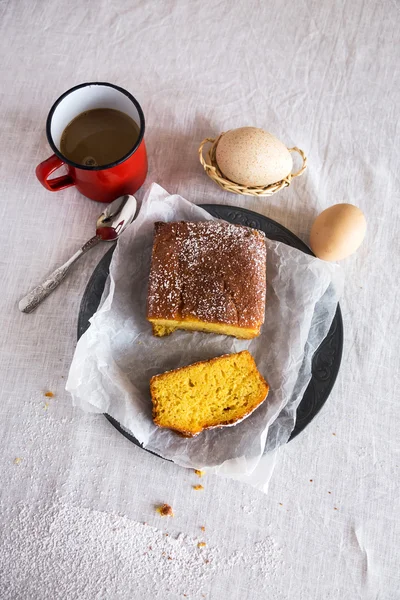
<point x="211" y="168"/>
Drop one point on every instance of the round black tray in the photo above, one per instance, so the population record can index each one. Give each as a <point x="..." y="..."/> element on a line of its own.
<point x="326" y="360"/>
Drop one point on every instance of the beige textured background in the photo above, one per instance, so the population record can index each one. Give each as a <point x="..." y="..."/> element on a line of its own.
<point x="319" y="74"/>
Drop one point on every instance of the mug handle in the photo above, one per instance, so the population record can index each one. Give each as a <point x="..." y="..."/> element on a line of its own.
<point x="46" y="168"/>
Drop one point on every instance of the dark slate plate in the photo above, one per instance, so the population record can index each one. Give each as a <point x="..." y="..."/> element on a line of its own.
<point x="326" y="360"/>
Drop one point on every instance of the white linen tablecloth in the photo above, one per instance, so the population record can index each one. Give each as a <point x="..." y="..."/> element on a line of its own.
<point x="74" y="493"/>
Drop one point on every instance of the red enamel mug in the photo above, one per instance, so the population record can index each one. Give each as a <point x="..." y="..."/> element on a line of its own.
<point x="101" y="183"/>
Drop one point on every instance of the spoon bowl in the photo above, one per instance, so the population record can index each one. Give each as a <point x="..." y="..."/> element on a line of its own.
<point x="116" y="218"/>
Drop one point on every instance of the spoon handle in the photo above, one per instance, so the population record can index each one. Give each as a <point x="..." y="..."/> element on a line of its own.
<point x="40" y="292"/>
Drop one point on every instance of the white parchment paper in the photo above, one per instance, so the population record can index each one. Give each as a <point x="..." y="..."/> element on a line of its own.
<point x="116" y="357"/>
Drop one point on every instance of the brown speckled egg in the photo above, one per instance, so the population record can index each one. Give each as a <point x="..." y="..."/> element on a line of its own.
<point x="252" y="157"/>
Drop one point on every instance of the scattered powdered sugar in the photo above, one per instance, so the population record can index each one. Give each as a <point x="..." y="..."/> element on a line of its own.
<point x="66" y="552"/>
<point x="249" y="509"/>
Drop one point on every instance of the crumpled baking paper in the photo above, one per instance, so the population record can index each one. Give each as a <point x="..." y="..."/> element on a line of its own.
<point x="116" y="357"/>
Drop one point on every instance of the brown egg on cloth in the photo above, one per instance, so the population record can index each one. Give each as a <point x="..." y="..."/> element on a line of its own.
<point x="338" y="232"/>
<point x="252" y="157"/>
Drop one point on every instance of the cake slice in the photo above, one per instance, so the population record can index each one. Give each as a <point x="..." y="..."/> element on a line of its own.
<point x="207" y="276"/>
<point x="213" y="393"/>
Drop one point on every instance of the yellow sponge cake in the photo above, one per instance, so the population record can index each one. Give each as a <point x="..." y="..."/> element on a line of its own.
<point x="213" y="393"/>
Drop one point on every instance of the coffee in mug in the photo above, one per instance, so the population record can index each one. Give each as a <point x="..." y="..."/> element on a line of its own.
<point x="99" y="137"/>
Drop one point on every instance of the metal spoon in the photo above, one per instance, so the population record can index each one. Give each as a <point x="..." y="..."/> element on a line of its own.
<point x="110" y="224"/>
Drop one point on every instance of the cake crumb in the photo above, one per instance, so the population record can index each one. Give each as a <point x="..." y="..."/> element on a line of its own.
<point x="198" y="487"/>
<point x="201" y="544"/>
<point x="329" y="492"/>
<point x="202" y="528"/>
<point x="165" y="510"/>
<point x="311" y="480"/>
<point x="17" y="460"/>
<point x="334" y="508"/>
<point x="49" y="394"/>
<point x="46" y="405"/>
<point x="333" y="433"/>
<point x="280" y="504"/>
<point x="199" y="473"/>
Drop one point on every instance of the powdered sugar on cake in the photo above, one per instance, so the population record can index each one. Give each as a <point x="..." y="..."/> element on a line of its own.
<point x="213" y="271"/>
